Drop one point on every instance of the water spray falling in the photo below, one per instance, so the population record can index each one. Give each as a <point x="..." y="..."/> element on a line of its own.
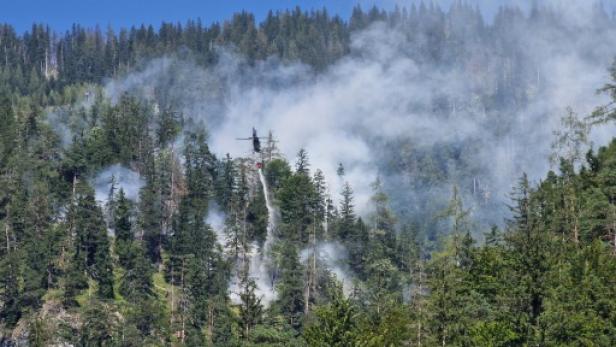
<point x="259" y="264"/>
<point x="271" y="220"/>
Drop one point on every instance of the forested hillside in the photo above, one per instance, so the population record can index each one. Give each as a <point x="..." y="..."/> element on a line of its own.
<point x="388" y="205"/>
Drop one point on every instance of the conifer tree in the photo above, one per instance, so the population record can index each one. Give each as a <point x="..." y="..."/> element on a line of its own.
<point x="290" y="286"/>
<point x="297" y="198"/>
<point x="123" y="228"/>
<point x="302" y="165"/>
<point x="250" y="309"/>
<point x="531" y="252"/>
<point x="136" y="283"/>
<point x="150" y="208"/>
<point x="92" y="243"/>
<point x="336" y="324"/>
<point x="100" y="325"/>
<point x="383" y="221"/>
<point x="10" y="295"/>
<point x="346" y="220"/>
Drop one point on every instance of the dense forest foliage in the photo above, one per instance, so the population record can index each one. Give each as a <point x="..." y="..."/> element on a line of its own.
<point x="291" y="263"/>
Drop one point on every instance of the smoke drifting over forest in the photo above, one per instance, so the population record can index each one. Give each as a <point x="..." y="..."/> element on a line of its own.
<point x="474" y="108"/>
<point x="216" y="219"/>
<point x="484" y="112"/>
<point x="121" y="178"/>
<point x="334" y="255"/>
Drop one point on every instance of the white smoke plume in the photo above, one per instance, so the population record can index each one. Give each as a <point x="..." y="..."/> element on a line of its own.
<point x="372" y="108"/>
<point x="64" y="120"/>
<point x="334" y="256"/>
<point x="259" y="273"/>
<point x="216" y="219"/>
<point x="128" y="180"/>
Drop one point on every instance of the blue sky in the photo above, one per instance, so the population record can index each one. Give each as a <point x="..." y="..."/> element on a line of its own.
<point x="61" y="14"/>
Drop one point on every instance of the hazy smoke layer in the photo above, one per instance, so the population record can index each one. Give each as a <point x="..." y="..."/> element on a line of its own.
<point x="124" y="178"/>
<point x="334" y="256"/>
<point x="216" y="219"/>
<point x="477" y="115"/>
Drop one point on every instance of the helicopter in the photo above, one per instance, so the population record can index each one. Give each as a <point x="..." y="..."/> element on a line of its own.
<point x="256" y="140"/>
<point x="256" y="144"/>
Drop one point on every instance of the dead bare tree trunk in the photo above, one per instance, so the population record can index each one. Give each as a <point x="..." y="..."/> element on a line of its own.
<point x="6" y="231"/>
<point x="183" y="333"/>
<point x="420" y="308"/>
<point x="210" y="323"/>
<point x="313" y="269"/>
<point x="172" y="297"/>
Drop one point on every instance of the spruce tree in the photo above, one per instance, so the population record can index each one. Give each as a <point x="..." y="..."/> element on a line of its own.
<point x="335" y="324"/>
<point x="123" y="227"/>
<point x="136" y="282"/>
<point x="290" y="286"/>
<point x="10" y="295"/>
<point x="92" y="243"/>
<point x="251" y="309"/>
<point x="347" y="214"/>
